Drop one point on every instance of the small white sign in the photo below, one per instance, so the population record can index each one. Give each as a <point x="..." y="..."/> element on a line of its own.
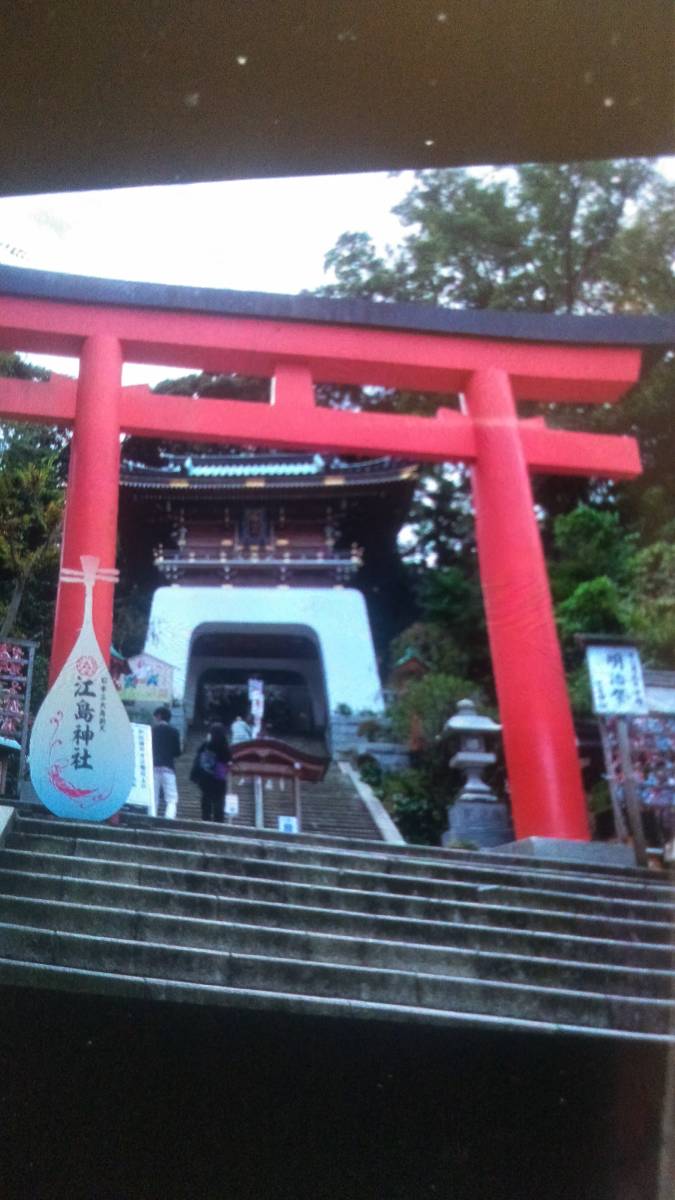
<point x="232" y="804"/>
<point x="256" y="698"/>
<point x="142" y="792"/>
<point x="287" y="824"/>
<point x="616" y="681"/>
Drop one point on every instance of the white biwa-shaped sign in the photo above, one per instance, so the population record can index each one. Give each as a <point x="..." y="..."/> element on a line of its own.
<point x="81" y="747"/>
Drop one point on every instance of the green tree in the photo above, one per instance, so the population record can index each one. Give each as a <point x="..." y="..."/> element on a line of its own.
<point x="572" y="237"/>
<point x="594" y="607"/>
<point x="451" y="596"/>
<point x="33" y="462"/>
<point x="441" y="518"/>
<point x="12" y="366"/>
<point x="32" y="471"/>
<point x="30" y="523"/>
<point x="647" y="504"/>
<point x="418" y="797"/>
<point x="638" y="266"/>
<point x="435" y="645"/>
<point x="427" y="703"/>
<point x="588" y="543"/>
<point x="652" y="612"/>
<point x="577" y="237"/>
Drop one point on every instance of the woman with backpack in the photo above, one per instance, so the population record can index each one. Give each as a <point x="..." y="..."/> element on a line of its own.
<point x="209" y="772"/>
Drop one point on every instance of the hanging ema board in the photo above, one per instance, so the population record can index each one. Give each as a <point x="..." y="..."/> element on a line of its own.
<point x="16" y="678"/>
<point x="652" y="755"/>
<point x="150" y="681"/>
<point x="81" y="748"/>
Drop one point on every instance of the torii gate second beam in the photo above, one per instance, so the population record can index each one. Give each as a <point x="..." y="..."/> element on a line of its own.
<point x="492" y="373"/>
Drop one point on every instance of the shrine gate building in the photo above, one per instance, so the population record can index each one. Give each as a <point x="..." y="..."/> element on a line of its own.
<point x="259" y="557"/>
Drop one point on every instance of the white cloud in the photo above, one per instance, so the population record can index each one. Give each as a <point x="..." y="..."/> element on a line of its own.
<point x="266" y="235"/>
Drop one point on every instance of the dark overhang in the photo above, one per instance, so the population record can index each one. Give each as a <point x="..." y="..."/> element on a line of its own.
<point x="653" y="333"/>
<point x="99" y="94"/>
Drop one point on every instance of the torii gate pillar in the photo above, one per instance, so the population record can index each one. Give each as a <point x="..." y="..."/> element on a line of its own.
<point x="90" y="525"/>
<point x="539" y="739"/>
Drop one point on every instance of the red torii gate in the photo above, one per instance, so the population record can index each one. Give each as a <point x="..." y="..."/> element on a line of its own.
<point x="297" y="342"/>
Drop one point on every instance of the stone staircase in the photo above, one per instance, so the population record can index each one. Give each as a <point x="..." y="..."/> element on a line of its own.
<point x="250" y="919"/>
<point x="332" y="807"/>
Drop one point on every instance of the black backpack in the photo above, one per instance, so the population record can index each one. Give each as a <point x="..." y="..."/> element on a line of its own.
<point x="205" y="766"/>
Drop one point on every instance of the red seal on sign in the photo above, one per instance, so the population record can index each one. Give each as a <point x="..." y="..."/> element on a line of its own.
<point x="86" y="666"/>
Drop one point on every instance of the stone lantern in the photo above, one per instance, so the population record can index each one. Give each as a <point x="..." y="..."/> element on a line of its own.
<point x="477" y="815"/>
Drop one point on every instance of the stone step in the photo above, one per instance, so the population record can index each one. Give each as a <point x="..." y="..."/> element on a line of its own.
<point x="250" y="918"/>
<point x="596" y="875"/>
<point x="346" y="949"/>
<point x="261" y="888"/>
<point x="331" y="806"/>
<point x="303" y="916"/>
<point x="298" y="978"/>
<point x="301" y="864"/>
<point x="55" y="979"/>
<point x="204" y="838"/>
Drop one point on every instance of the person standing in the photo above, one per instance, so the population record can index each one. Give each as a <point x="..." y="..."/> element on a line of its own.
<point x="165" y="750"/>
<point x="209" y="772"/>
<point x="241" y="730"/>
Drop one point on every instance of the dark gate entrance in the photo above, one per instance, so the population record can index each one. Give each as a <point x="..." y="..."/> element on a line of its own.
<point x="289" y="666"/>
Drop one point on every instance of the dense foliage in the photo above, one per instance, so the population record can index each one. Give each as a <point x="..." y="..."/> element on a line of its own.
<point x="578" y="237"/>
<point x="32" y="467"/>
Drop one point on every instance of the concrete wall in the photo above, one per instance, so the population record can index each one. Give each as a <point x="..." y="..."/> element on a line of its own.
<point x="335" y="618"/>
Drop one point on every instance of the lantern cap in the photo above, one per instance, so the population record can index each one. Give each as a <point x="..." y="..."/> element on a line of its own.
<point x="467" y="720"/>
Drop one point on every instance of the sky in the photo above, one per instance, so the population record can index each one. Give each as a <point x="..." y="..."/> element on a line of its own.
<point x="255" y="235"/>
<point x="260" y="235"/>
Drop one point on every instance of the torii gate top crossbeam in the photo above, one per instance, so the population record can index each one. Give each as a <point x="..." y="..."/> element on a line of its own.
<point x="297" y="341"/>
<point x="420" y="347"/>
<point x="657" y="332"/>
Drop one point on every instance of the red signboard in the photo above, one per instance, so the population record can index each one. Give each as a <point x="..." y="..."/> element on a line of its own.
<point x="16" y="677"/>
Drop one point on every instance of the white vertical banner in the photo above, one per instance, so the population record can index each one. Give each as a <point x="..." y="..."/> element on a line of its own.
<point x="142" y="792"/>
<point x="256" y="699"/>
